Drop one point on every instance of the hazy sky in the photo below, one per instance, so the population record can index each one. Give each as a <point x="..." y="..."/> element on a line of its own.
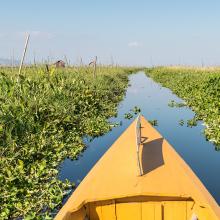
<point x="136" y="32"/>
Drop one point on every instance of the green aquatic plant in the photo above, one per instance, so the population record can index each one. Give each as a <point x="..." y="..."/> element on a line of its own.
<point x="128" y="115"/>
<point x="192" y="122"/>
<point x="136" y="110"/>
<point x="181" y="122"/>
<point x="43" y="118"/>
<point x="200" y="89"/>
<point x="153" y="122"/>
<point x="173" y="104"/>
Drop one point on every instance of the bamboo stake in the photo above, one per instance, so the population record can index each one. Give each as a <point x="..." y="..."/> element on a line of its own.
<point x="34" y="58"/>
<point x="66" y="60"/>
<point x="24" y="53"/>
<point x="95" y="61"/>
<point x="81" y="62"/>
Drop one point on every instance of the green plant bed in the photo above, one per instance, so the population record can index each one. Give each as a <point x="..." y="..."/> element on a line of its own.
<point x="43" y="117"/>
<point x="200" y="88"/>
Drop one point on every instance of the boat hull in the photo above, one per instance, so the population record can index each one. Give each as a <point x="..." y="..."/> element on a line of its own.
<point x="166" y="189"/>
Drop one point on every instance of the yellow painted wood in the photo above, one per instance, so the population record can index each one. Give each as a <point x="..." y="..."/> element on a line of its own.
<point x="128" y="211"/>
<point x="190" y="205"/>
<point x="95" y="211"/>
<point x="203" y="213"/>
<point x="148" y="210"/>
<point x="165" y="175"/>
<point x="158" y="211"/>
<point x="163" y="210"/>
<point x="108" y="210"/>
<point x="175" y="210"/>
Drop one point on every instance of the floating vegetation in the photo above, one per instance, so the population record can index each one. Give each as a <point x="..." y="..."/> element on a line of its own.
<point x="153" y="122"/>
<point x="43" y="118"/>
<point x="173" y="104"/>
<point x="128" y="115"/>
<point x="136" y="110"/>
<point x="192" y="122"/>
<point x="200" y="88"/>
<point x="181" y="122"/>
<point x="116" y="124"/>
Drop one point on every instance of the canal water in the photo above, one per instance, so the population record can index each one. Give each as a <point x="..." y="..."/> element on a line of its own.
<point x="153" y="100"/>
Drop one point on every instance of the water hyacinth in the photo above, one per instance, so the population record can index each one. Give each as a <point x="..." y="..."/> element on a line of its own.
<point x="43" y="118"/>
<point x="200" y="88"/>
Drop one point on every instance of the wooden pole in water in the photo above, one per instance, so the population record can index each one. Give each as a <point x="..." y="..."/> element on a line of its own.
<point x="24" y="53"/>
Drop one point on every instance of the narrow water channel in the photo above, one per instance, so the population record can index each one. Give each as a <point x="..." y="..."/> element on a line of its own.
<point x="153" y="100"/>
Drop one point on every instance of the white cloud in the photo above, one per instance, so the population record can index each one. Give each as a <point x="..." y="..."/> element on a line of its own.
<point x="134" y="44"/>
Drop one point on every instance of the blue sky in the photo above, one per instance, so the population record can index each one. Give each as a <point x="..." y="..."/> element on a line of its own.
<point x="159" y="32"/>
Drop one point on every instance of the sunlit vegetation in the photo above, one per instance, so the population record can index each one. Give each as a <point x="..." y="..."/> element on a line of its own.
<point x="129" y="115"/>
<point x="200" y="88"/>
<point x="181" y="122"/>
<point x="173" y="104"/>
<point x="44" y="114"/>
<point x="153" y="122"/>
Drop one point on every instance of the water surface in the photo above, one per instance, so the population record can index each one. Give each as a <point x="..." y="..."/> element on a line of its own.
<point x="153" y="100"/>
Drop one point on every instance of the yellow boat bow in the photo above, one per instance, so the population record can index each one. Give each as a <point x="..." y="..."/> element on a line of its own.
<point x="140" y="177"/>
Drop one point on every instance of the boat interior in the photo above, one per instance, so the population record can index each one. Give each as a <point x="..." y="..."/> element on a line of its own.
<point x="143" y="208"/>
